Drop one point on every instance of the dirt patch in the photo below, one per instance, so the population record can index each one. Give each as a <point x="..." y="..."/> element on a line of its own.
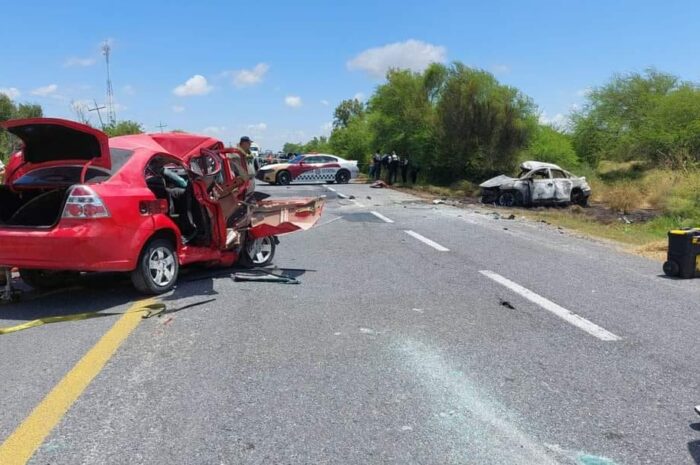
<point x="596" y="211"/>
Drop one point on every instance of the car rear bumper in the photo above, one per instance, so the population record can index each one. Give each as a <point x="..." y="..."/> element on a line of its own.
<point x="98" y="246"/>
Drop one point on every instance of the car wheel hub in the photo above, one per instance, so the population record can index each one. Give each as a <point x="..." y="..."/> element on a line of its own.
<point x="259" y="250"/>
<point x="161" y="266"/>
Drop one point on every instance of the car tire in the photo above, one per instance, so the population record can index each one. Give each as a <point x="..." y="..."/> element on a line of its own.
<point x="157" y="269"/>
<point x="258" y="252"/>
<point x="342" y="177"/>
<point x="284" y="178"/>
<point x="671" y="268"/>
<point x="508" y="199"/>
<point x="577" y="198"/>
<point x="47" y="279"/>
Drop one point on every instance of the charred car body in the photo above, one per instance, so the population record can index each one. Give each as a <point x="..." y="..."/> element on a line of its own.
<point x="76" y="201"/>
<point x="537" y="184"/>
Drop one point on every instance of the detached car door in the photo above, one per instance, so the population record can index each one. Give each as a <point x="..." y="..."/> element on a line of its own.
<point x="542" y="186"/>
<point x="562" y="185"/>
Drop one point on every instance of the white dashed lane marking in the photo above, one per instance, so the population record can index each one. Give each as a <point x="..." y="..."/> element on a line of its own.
<point x="382" y="217"/>
<point x="427" y="241"/>
<point x="566" y="315"/>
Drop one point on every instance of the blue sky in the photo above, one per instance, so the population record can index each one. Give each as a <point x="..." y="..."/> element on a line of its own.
<point x="275" y="70"/>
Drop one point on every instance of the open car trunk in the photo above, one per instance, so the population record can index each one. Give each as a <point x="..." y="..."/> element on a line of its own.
<point x="34" y="208"/>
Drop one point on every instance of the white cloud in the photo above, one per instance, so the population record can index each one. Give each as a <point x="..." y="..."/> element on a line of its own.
<point x="250" y="77"/>
<point x="213" y="129"/>
<point x="196" y="85"/>
<point x="45" y="91"/>
<point x="79" y="62"/>
<point x="260" y="127"/>
<point x="325" y="102"/>
<point x="412" y="54"/>
<point x="11" y="92"/>
<point x="293" y="101"/>
<point x="558" y="121"/>
<point x="326" y="128"/>
<point x="128" y="89"/>
<point x="359" y="96"/>
<point x="500" y="69"/>
<point x="178" y="108"/>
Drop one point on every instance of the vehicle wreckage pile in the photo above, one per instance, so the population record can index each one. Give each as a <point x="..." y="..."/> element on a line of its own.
<point x="77" y="201"/>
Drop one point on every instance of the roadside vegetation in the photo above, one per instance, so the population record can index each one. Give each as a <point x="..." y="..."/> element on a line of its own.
<point x="636" y="139"/>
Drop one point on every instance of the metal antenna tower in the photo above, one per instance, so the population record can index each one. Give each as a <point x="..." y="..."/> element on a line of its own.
<point x="106" y="49"/>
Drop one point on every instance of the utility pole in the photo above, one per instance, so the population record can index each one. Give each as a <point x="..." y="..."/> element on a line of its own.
<point x="161" y="126"/>
<point x="99" y="115"/>
<point x="106" y="49"/>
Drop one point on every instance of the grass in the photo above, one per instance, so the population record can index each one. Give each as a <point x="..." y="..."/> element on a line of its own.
<point x="670" y="198"/>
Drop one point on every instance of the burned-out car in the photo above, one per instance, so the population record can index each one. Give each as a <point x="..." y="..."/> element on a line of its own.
<point x="537" y="184"/>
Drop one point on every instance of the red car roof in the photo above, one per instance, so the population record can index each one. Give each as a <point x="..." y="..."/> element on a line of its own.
<point x="180" y="145"/>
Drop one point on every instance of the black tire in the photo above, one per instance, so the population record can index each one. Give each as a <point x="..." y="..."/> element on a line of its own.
<point x="258" y="252"/>
<point x="508" y="199"/>
<point x="577" y="198"/>
<point x="47" y="279"/>
<point x="342" y="177"/>
<point x="155" y="273"/>
<point x="284" y="178"/>
<point x="671" y="268"/>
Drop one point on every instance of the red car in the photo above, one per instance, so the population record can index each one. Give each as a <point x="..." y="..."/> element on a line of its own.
<point x="76" y="201"/>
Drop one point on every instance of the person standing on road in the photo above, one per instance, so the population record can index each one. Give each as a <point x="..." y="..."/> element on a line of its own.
<point x="413" y="170"/>
<point x="393" y="167"/>
<point x="377" y="165"/>
<point x="244" y="146"/>
<point x="404" y="169"/>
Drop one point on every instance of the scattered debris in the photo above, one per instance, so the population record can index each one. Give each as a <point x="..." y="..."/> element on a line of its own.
<point x="406" y="428"/>
<point x="438" y="201"/>
<point x="510" y="217"/>
<point x="506" y="304"/>
<point x="418" y="310"/>
<point x="505" y="229"/>
<point x="369" y="197"/>
<point x="351" y="197"/>
<point x="624" y="218"/>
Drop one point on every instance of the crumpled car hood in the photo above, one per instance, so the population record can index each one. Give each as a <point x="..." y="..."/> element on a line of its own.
<point x="497" y="181"/>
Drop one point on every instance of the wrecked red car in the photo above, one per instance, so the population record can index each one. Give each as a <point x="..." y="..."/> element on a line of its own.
<point x="76" y="201"/>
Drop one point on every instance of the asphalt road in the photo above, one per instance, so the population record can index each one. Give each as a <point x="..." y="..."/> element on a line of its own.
<point x="422" y="335"/>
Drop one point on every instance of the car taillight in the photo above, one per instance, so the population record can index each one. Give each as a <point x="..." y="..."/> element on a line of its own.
<point x="153" y="207"/>
<point x="84" y="203"/>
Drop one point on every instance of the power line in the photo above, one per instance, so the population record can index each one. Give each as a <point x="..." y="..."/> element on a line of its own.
<point x="99" y="115"/>
<point x="161" y="126"/>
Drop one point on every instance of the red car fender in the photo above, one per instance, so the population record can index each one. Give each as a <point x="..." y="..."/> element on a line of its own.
<point x="154" y="225"/>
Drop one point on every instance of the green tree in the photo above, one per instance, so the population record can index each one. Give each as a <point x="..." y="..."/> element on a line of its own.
<point x="610" y="125"/>
<point x="123" y="128"/>
<point x="402" y="117"/>
<point x="482" y="126"/>
<point x="551" y="146"/>
<point x="10" y="110"/>
<point x="346" y="111"/>
<point x="353" y="142"/>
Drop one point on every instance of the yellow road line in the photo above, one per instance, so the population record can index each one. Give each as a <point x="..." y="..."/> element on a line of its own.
<point x="19" y="447"/>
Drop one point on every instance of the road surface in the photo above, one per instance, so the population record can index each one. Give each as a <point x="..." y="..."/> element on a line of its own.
<point x="420" y="334"/>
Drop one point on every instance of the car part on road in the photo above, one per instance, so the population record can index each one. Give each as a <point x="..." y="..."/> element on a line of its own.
<point x="683" y="256"/>
<point x="265" y="276"/>
<point x="157" y="268"/>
